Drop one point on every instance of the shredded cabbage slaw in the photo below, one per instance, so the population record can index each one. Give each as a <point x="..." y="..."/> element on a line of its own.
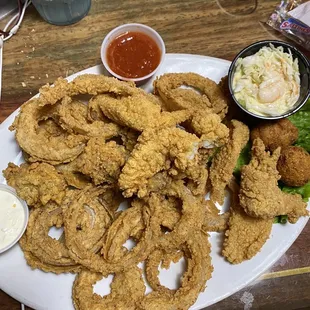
<point x="268" y="82"/>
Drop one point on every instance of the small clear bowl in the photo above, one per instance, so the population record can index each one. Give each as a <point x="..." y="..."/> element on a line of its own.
<point x="12" y="191"/>
<point x="304" y="69"/>
<point x="134" y="28"/>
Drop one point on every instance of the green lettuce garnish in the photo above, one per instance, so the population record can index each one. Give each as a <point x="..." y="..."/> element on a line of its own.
<point x="304" y="190"/>
<point x="243" y="159"/>
<point x="301" y="120"/>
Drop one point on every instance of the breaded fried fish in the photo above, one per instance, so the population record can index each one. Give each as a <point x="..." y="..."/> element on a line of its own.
<point x="260" y="195"/>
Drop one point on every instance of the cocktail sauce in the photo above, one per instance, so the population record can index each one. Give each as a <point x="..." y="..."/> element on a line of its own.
<point x="133" y="55"/>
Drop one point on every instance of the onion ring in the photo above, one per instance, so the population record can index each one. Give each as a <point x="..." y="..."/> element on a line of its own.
<point x="72" y="116"/>
<point x="196" y="250"/>
<point x="86" y="221"/>
<point x="211" y="98"/>
<point x="112" y="259"/>
<point x="41" y="147"/>
<point x="127" y="290"/>
<point x="41" y="251"/>
<point x="192" y="214"/>
<point x="91" y="84"/>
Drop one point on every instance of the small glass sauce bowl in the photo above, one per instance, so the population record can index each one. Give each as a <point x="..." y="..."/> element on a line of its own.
<point x="137" y="28"/>
<point x="304" y="69"/>
<point x="11" y="190"/>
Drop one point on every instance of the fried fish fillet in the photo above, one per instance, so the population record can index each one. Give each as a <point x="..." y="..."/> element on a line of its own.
<point x="225" y="160"/>
<point x="158" y="150"/>
<point x="209" y="128"/>
<point x="102" y="161"/>
<point x="137" y="112"/>
<point x="213" y="220"/>
<point x="245" y="235"/>
<point x="260" y="195"/>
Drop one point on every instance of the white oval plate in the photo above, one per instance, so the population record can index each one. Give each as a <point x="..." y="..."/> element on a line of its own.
<point x="41" y="290"/>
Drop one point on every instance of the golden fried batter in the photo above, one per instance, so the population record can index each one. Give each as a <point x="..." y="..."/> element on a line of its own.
<point x="37" y="183"/>
<point x="294" y="166"/>
<point x="225" y="160"/>
<point x="213" y="220"/>
<point x="101" y="161"/>
<point x="91" y="84"/>
<point x="276" y="134"/>
<point x="260" y="195"/>
<point x="245" y="235"/>
<point x="42" y="251"/>
<point x="210" y="98"/>
<point x="87" y="219"/>
<point x="199" y="269"/>
<point x="72" y="116"/>
<point x="209" y="128"/>
<point x="51" y="148"/>
<point x="127" y="290"/>
<point x="131" y="112"/>
<point x="155" y="151"/>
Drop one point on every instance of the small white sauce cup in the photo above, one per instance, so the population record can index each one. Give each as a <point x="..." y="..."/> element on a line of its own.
<point x="132" y="28"/>
<point x="12" y="191"/>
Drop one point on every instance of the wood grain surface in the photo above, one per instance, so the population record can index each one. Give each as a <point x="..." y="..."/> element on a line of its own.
<point x="41" y="52"/>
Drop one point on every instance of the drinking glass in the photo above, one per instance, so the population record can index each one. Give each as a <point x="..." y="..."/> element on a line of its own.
<point x="62" y="12"/>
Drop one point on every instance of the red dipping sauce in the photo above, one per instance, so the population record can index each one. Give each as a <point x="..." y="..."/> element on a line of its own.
<point x="133" y="55"/>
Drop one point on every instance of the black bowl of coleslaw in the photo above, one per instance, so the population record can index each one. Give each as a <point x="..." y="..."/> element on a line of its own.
<point x="270" y="79"/>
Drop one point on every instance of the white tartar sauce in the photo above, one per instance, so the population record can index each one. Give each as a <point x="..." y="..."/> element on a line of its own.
<point x="12" y="217"/>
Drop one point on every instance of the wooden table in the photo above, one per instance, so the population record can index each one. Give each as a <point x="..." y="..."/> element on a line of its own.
<point x="40" y="53"/>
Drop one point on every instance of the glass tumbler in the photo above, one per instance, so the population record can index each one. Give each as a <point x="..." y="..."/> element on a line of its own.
<point x="62" y="12"/>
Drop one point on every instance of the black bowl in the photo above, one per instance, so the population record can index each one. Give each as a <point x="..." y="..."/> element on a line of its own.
<point x="304" y="70"/>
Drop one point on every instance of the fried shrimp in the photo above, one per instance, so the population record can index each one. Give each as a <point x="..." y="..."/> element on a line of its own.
<point x="210" y="96"/>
